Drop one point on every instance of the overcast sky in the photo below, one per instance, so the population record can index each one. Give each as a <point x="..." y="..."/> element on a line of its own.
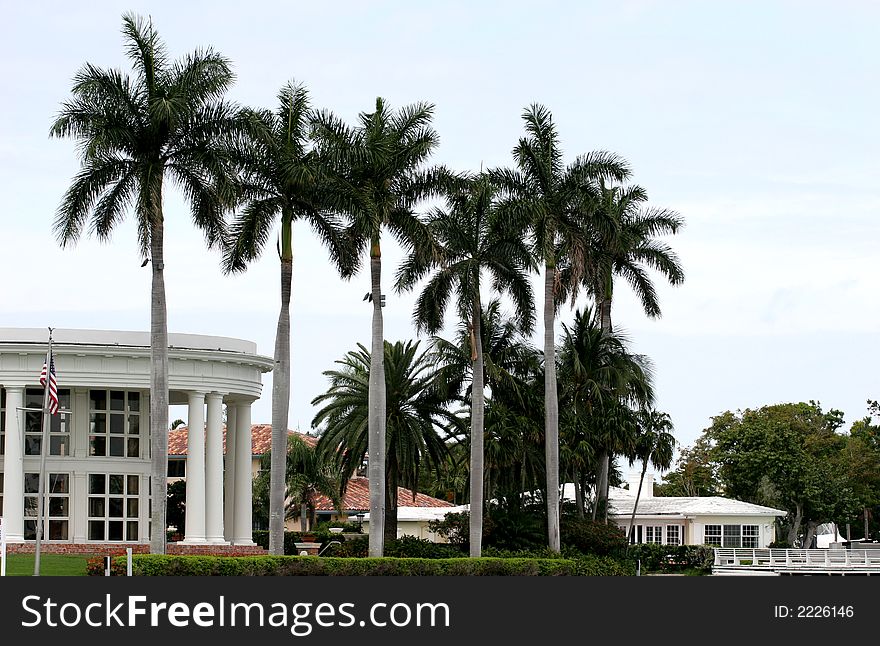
<point x="757" y="122"/>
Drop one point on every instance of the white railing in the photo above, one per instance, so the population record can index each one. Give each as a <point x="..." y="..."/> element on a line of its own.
<point x="771" y="559"/>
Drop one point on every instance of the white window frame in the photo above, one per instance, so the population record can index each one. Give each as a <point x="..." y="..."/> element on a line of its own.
<point x="719" y="536"/>
<point x="678" y="533"/>
<point x="130" y="533"/>
<point x="127" y="413"/>
<point x="60" y="425"/>
<point x="30" y="512"/>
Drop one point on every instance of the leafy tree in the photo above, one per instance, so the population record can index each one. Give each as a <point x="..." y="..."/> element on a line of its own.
<point x="167" y="122"/>
<point x="415" y="414"/>
<point x="472" y="240"/>
<point x="695" y="473"/>
<point x="551" y="199"/>
<point x="280" y="181"/>
<point x="376" y="177"/>
<point x="783" y="456"/>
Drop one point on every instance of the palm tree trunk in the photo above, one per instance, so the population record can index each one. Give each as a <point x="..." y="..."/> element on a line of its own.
<point x="158" y="385"/>
<point x="281" y="395"/>
<point x="578" y="494"/>
<point x="632" y="519"/>
<point x="376" y="422"/>
<point x="303" y="525"/>
<point x="390" y="528"/>
<point x="477" y="412"/>
<point x="604" y="454"/>
<point x="551" y="409"/>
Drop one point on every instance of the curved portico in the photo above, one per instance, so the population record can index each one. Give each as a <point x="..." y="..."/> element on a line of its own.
<point x="98" y="463"/>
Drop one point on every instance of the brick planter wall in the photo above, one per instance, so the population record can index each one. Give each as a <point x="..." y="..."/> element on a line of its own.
<point x="99" y="549"/>
<point x="118" y="549"/>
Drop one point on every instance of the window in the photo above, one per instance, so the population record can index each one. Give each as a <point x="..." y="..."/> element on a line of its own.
<point x="712" y="535"/>
<point x="58" y="489"/>
<point x="636" y="534"/>
<point x="59" y="425"/>
<point x="653" y="534"/>
<point x="673" y="535"/>
<point x="1" y="493"/>
<point x="750" y="536"/>
<point x="176" y="468"/>
<point x="113" y="507"/>
<point x="114" y="423"/>
<point x="731" y="535"/>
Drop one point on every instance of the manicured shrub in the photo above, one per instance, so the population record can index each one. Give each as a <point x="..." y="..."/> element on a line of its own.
<point x="403" y="547"/>
<point x="165" y="565"/>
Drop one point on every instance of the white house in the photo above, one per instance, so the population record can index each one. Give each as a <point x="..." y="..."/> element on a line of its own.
<point x="702" y="520"/>
<point x="98" y="462"/>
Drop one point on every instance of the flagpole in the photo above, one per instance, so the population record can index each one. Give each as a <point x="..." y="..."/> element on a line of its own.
<point x="44" y="442"/>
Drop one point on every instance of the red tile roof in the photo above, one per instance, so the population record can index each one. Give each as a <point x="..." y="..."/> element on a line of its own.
<point x="357" y="498"/>
<point x="261" y="439"/>
<point x="357" y="495"/>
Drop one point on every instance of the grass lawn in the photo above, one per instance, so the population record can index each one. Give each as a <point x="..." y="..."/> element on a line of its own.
<point x="50" y="564"/>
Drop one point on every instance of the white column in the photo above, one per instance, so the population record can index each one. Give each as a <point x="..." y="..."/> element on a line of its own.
<point x="214" y="470"/>
<point x="242" y="529"/>
<point x="13" y="467"/>
<point x="229" y="473"/>
<point x="195" y="470"/>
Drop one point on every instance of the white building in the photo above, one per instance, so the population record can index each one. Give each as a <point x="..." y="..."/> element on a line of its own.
<point x="98" y="463"/>
<point x="702" y="520"/>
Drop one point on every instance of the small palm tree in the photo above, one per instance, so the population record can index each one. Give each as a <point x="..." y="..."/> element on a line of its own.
<point x="472" y="239"/>
<point x="280" y="181"/>
<point x="376" y="177"/>
<point x="552" y="199"/>
<point x="415" y="412"/>
<point x="167" y="122"/>
<point x="307" y="478"/>
<point x="655" y="445"/>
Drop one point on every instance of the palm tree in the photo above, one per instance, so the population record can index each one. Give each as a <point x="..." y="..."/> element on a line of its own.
<point x="415" y="412"/>
<point x="471" y="240"/>
<point x="553" y="200"/>
<point x="280" y="180"/>
<point x="656" y="445"/>
<point x="600" y="377"/>
<point x="166" y="122"/>
<point x="629" y="248"/>
<point x="376" y="178"/>
<point x="307" y="478"/>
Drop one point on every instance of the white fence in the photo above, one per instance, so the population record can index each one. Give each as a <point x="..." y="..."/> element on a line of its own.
<point x="792" y="559"/>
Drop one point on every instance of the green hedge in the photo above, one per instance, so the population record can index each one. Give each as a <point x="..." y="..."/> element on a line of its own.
<point x="165" y="565"/>
<point x="672" y="558"/>
<point x="403" y="547"/>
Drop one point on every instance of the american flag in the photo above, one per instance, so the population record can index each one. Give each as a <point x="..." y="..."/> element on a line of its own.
<point x="53" y="385"/>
